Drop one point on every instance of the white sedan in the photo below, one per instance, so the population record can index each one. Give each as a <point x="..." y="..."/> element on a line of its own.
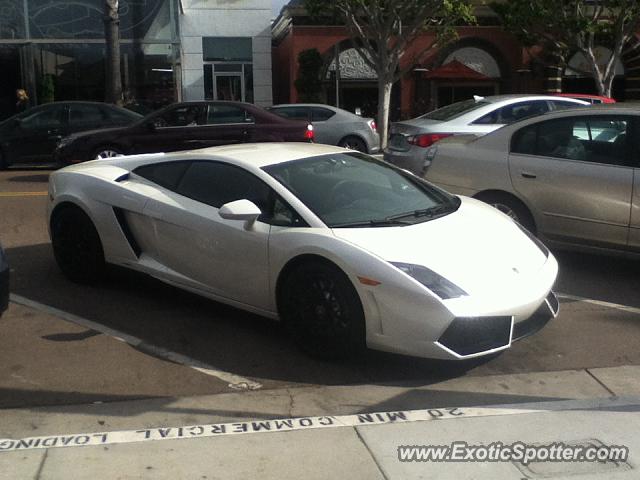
<point x="347" y="250"/>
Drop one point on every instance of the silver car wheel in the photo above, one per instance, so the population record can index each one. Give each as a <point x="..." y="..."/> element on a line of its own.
<point x="107" y="154"/>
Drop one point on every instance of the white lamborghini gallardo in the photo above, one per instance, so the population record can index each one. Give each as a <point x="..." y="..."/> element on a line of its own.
<point x="347" y="250"/>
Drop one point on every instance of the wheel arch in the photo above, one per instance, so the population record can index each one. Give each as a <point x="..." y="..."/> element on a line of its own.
<point x="503" y="193"/>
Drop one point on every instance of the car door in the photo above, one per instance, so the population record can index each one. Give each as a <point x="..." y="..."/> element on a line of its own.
<point x="225" y="257"/>
<point x="33" y="138"/>
<point x="178" y="127"/>
<point x="575" y="173"/>
<point x="227" y="124"/>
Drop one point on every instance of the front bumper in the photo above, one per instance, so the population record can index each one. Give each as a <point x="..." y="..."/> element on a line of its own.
<point x="468" y="337"/>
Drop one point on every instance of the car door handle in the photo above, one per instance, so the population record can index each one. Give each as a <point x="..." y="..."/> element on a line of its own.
<point x="528" y="175"/>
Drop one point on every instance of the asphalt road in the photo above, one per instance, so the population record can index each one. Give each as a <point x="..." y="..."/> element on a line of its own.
<point x="46" y="360"/>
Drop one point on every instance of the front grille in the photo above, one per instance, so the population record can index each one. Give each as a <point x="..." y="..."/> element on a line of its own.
<point x="470" y="335"/>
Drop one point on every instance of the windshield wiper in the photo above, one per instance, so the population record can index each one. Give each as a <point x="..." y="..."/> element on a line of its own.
<point x="383" y="222"/>
<point x="430" y="212"/>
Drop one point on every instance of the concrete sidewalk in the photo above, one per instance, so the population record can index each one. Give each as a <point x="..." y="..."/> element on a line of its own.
<point x="332" y="432"/>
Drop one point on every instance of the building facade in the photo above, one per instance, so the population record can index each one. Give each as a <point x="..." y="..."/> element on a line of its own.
<point x="488" y="61"/>
<point x="170" y="50"/>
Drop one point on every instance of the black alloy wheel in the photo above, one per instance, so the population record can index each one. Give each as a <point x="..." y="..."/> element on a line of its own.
<point x="322" y="310"/>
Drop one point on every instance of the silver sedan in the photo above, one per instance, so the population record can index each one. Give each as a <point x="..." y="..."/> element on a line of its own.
<point x="572" y="177"/>
<point x="409" y="140"/>
<point x="334" y="126"/>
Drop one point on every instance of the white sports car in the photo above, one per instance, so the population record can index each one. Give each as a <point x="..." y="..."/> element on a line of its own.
<point x="347" y="250"/>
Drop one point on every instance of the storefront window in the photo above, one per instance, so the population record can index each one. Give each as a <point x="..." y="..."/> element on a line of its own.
<point x="76" y="72"/>
<point x="227" y="49"/>
<point x="148" y="20"/>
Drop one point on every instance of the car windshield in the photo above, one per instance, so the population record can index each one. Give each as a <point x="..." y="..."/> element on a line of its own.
<point x="355" y="190"/>
<point x="454" y="110"/>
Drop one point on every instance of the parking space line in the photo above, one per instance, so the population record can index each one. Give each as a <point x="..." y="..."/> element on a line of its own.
<point x="233" y="381"/>
<point x="617" y="306"/>
<point x="23" y="194"/>
<point x="305" y="423"/>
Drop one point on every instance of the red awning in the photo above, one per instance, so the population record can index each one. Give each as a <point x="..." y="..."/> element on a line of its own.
<point x="455" y="70"/>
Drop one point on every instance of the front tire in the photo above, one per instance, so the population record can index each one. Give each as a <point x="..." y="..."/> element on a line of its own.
<point x="322" y="310"/>
<point x="76" y="246"/>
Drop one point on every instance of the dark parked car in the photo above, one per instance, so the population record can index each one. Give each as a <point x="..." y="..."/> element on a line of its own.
<point x="4" y="281"/>
<point x="31" y="137"/>
<point x="185" y="126"/>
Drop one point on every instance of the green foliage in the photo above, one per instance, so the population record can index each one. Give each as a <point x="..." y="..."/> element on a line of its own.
<point x="309" y="83"/>
<point x="46" y="89"/>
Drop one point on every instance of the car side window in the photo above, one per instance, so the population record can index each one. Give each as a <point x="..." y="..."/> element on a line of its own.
<point x="221" y="114"/>
<point x="524" y="140"/>
<point x="295" y="113"/>
<point x="166" y="174"/>
<point x="215" y="184"/>
<point x="80" y="115"/>
<point x="560" y="105"/>
<point x="591" y="139"/>
<point x="518" y="111"/>
<point x="50" y="117"/>
<point x="181" y="116"/>
<point x="319" y="114"/>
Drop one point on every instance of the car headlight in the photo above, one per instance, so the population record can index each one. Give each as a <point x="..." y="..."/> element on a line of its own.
<point x="543" y="248"/>
<point x="430" y="279"/>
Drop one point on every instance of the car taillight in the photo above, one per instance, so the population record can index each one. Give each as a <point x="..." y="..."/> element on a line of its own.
<point x="427" y="139"/>
<point x="372" y="124"/>
<point x="308" y="134"/>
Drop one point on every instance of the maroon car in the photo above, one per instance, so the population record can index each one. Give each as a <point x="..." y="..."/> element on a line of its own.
<point x="184" y="126"/>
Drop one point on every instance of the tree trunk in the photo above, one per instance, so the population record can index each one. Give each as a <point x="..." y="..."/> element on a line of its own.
<point x="113" y="80"/>
<point x="384" y="101"/>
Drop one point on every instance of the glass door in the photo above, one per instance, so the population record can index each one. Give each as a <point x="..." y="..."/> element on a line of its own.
<point x="228" y="86"/>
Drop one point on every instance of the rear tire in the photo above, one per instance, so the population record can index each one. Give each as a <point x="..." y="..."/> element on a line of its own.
<point x="353" y="143"/>
<point x="76" y="246"/>
<point x="322" y="310"/>
<point x="512" y="207"/>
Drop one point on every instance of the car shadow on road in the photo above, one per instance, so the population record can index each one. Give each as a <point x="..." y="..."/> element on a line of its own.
<point x="31" y="178"/>
<point x="209" y="332"/>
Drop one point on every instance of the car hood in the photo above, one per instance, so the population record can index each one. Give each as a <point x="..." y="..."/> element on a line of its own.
<point x="469" y="247"/>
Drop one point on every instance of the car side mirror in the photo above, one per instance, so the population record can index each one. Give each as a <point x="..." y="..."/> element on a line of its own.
<point x="243" y="210"/>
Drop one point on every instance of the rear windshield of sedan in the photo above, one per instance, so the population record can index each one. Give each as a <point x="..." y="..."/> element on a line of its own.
<point x="355" y="190"/>
<point x="454" y="110"/>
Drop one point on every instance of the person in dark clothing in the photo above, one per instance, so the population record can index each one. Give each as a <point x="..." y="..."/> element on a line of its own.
<point x="23" y="100"/>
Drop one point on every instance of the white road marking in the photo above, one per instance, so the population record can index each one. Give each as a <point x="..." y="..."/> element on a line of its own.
<point x="617" y="306"/>
<point x="304" y="423"/>
<point x="235" y="382"/>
